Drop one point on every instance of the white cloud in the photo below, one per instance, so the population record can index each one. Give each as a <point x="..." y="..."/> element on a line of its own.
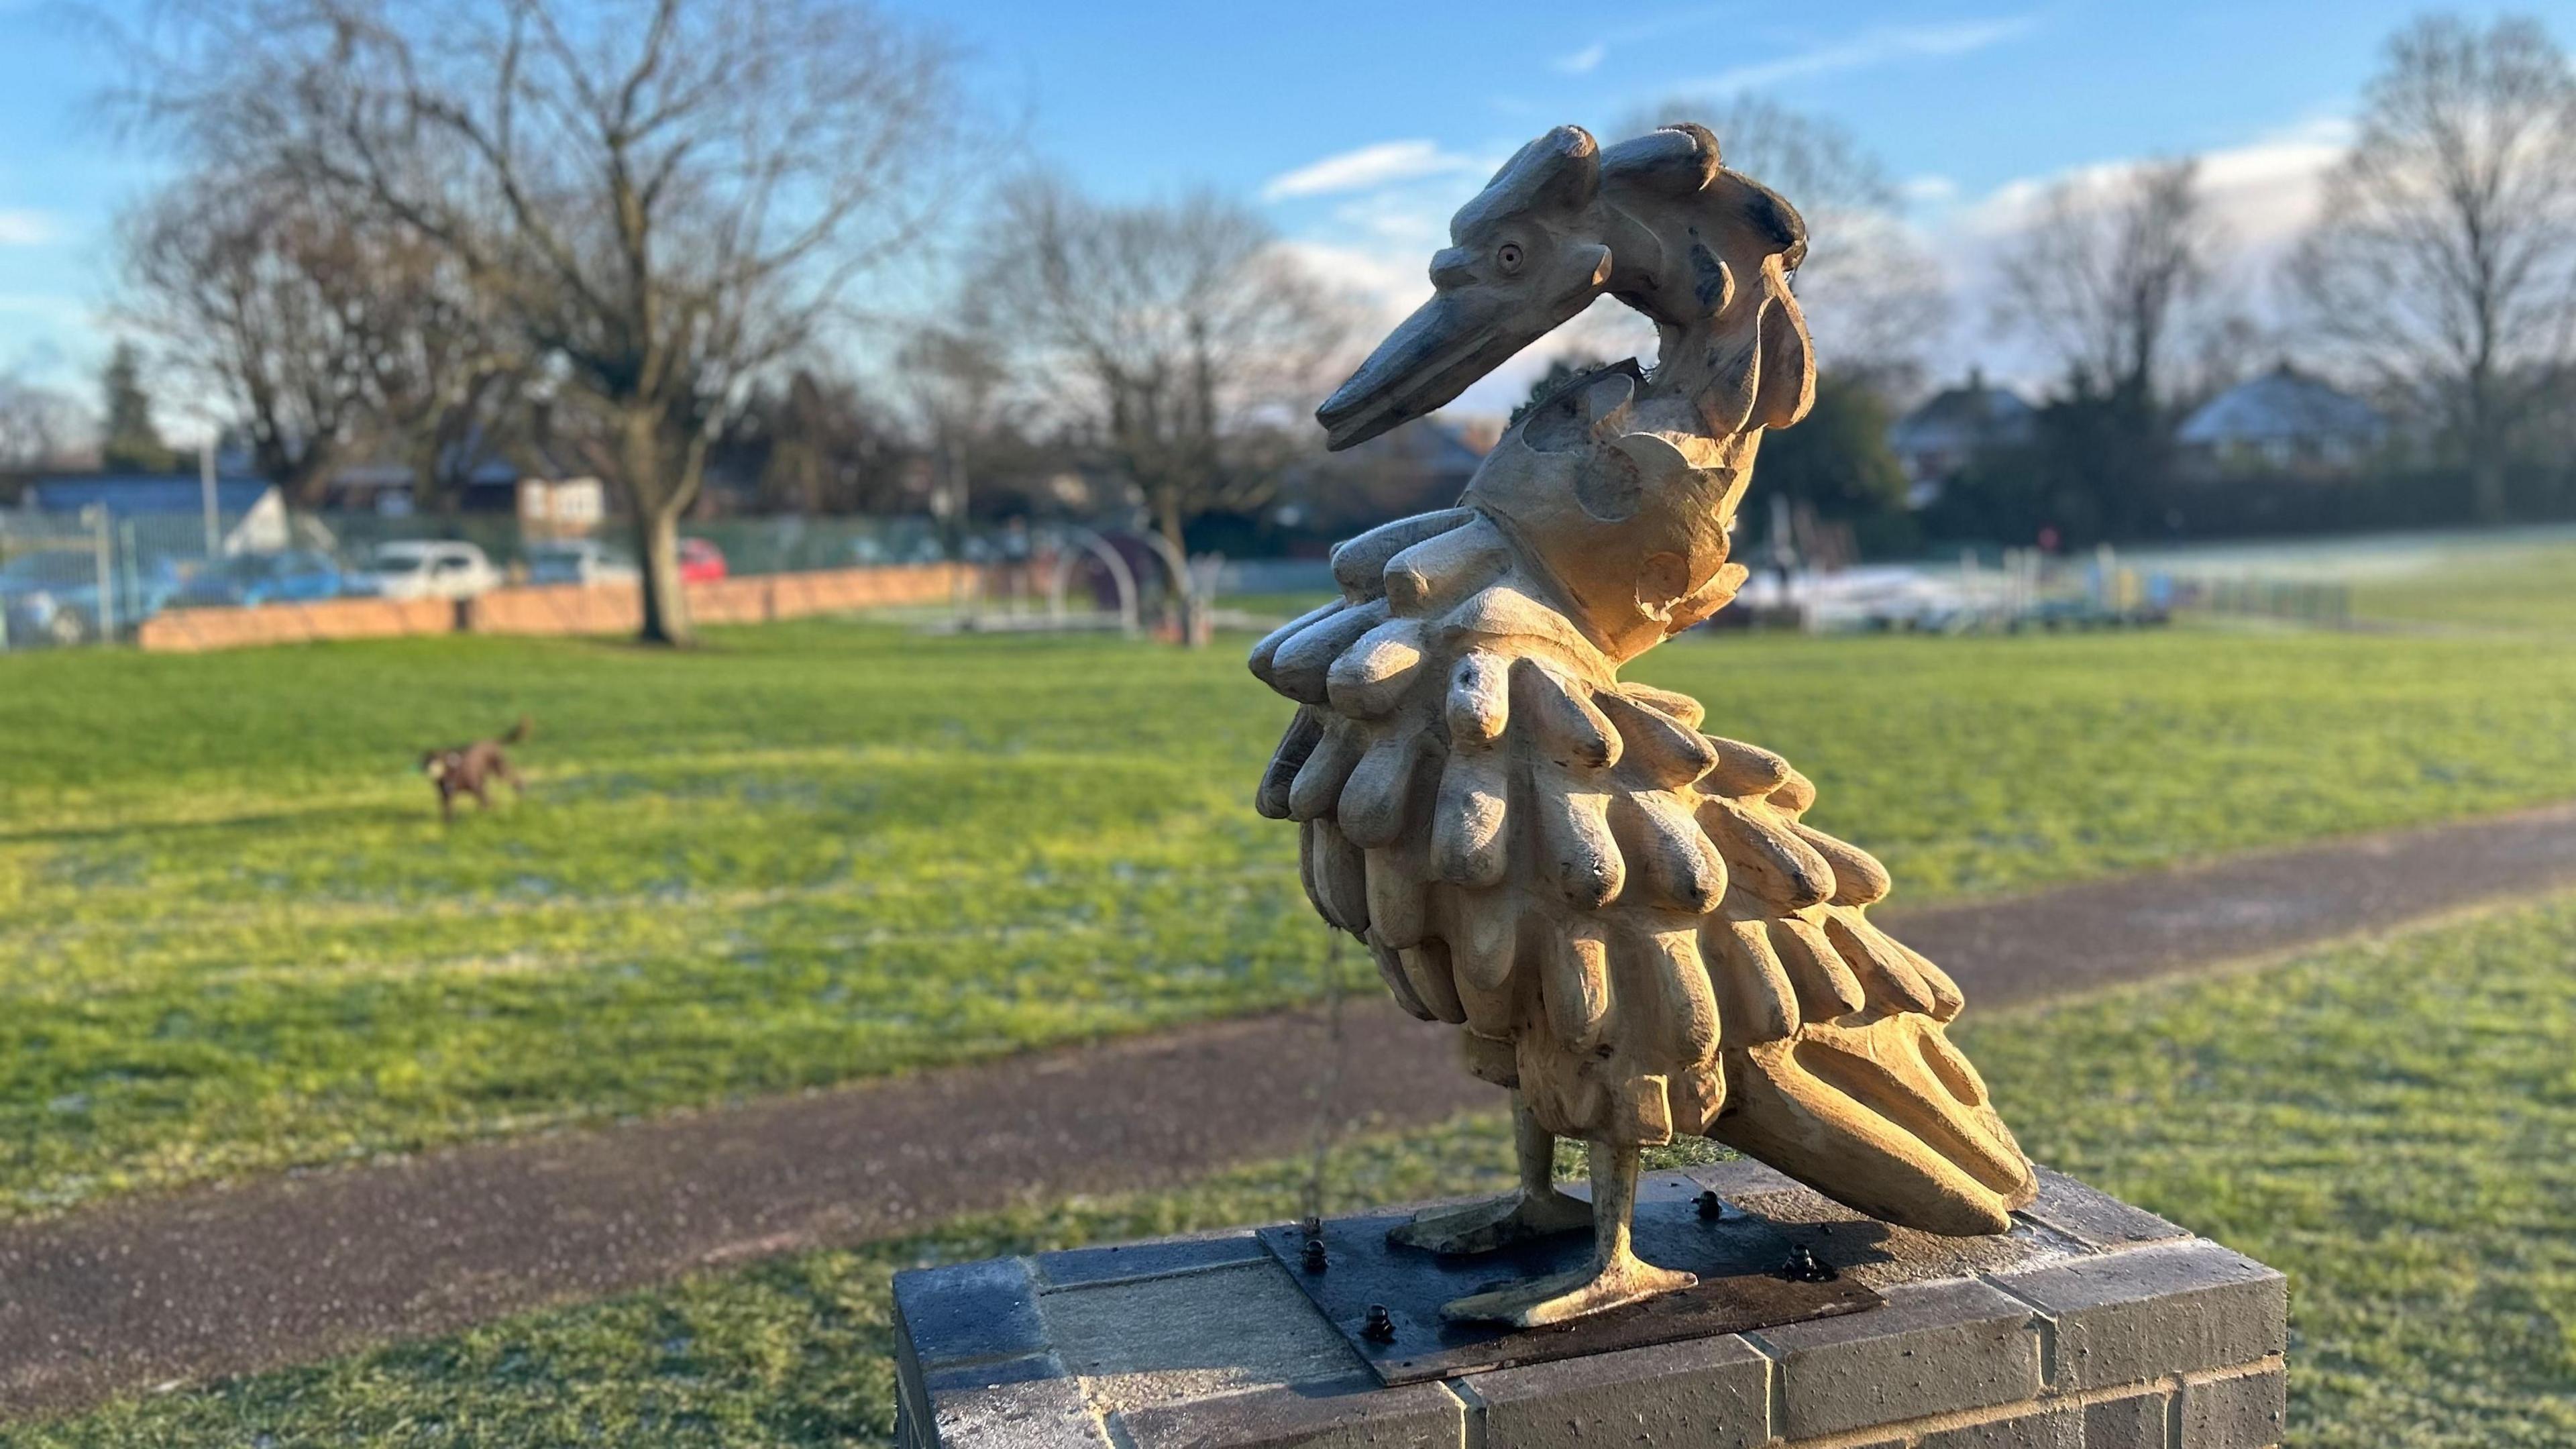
<point x="2257" y="197"/>
<point x="2266" y="193"/>
<point x="1589" y="58"/>
<point x="2260" y="194"/>
<point x="1365" y="167"/>
<point x="1385" y="280"/>
<point x="1877" y="46"/>
<point x="24" y="228"/>
<point x="1929" y="190"/>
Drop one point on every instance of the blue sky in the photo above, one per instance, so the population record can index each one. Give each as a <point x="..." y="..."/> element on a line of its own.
<point x="1358" y="126"/>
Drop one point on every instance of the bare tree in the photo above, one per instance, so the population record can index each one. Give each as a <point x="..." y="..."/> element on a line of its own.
<point x="449" y="373"/>
<point x="1873" y="293"/>
<point x="818" y="445"/>
<point x="1197" y="342"/>
<point x="2444" y="259"/>
<point x="2106" y="270"/>
<point x="269" y="302"/>
<point x="325" y="326"/>
<point x="664" y="198"/>
<point x="959" y="380"/>
<point x="39" y="426"/>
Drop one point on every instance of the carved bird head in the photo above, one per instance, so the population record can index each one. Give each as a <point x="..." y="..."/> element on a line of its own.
<point x="1657" y="221"/>
<point x="1524" y="257"/>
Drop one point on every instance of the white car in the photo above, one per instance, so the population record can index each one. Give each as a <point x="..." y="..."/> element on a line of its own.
<point x="427" y="570"/>
<point x="581" y="562"/>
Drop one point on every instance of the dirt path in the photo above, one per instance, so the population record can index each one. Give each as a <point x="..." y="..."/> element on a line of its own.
<point x="290" y="1269"/>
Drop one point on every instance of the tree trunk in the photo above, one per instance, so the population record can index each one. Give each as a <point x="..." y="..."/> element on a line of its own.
<point x="658" y="500"/>
<point x="1188" y="618"/>
<point x="666" y="600"/>
<point x="2486" y="465"/>
<point x="425" y="492"/>
<point x="308" y="480"/>
<point x="2485" y="441"/>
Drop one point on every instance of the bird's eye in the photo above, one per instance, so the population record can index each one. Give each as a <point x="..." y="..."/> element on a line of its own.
<point x="1509" y="258"/>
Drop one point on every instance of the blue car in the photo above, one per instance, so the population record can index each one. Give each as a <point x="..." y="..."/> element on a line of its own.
<point x="295" y="576"/>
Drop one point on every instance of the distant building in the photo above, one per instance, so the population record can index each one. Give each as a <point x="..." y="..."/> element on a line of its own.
<point x="390" y="488"/>
<point x="250" y="514"/>
<point x="479" y="473"/>
<point x="1417" y="468"/>
<point x="1937" y="439"/>
<point x="560" y="507"/>
<point x="2283" y="421"/>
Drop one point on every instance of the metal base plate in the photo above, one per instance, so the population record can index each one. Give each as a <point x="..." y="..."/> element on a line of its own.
<point x="1737" y="1256"/>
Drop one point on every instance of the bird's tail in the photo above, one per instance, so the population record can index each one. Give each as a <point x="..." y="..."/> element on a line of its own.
<point x="518" y="731"/>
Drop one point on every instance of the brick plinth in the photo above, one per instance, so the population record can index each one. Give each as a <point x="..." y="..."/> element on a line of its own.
<point x="2092" y="1325"/>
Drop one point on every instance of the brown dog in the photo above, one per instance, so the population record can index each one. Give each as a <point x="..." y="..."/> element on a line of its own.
<point x="470" y="769"/>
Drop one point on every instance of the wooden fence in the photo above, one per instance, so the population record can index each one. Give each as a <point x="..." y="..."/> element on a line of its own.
<point x="554" y="609"/>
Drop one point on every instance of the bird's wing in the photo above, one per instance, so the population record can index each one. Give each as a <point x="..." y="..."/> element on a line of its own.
<point x="1629" y="916"/>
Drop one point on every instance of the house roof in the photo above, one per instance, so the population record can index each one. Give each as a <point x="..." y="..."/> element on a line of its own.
<point x="2281" y="405"/>
<point x="126" y="495"/>
<point x="1432" y="443"/>
<point x="1960" y="418"/>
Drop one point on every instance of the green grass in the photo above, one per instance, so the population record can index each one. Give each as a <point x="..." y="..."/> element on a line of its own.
<point x="233" y="937"/>
<point x="2387" y="1123"/>
<point x="2503" y="586"/>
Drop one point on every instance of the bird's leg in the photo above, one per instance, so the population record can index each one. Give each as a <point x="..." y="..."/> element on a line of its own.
<point x="1616" y="1276"/>
<point x="1535" y="1209"/>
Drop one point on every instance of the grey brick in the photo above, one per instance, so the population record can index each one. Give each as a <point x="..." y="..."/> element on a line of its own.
<point x="1355" y="1414"/>
<point x="2095" y="1219"/>
<point x="2243" y="1410"/>
<point x="2123" y="1318"/>
<point x="1137" y="1260"/>
<point x="2135" y="1422"/>
<point x="1931" y="1348"/>
<point x="1194" y="1335"/>
<point x="969" y="1311"/>
<point x="1712" y="1393"/>
<point x="993" y="1373"/>
<point x="1038" y="1414"/>
<point x="2046" y="1426"/>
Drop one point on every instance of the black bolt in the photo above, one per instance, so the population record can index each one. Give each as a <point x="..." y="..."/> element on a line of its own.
<point x="1805" y="1267"/>
<point x="1314" y="1258"/>
<point x="1710" y="1207"/>
<point x="1379" y="1328"/>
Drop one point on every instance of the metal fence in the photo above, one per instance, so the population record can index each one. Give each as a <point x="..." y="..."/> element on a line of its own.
<point x="68" y="579"/>
<point x="73" y="579"/>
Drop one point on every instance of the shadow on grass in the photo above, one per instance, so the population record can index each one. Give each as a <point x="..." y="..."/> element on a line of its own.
<point x="314" y="818"/>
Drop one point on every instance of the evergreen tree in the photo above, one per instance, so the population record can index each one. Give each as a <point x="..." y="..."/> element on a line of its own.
<point x="130" y="442"/>
<point x="1836" y="460"/>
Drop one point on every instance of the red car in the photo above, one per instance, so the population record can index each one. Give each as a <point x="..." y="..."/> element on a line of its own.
<point x="701" y="562"/>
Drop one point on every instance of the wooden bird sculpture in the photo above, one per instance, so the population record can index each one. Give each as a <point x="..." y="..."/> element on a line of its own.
<point x="1625" y="917"/>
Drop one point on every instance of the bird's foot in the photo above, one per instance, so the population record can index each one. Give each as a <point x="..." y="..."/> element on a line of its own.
<point x="1517" y="1216"/>
<point x="1595" y="1288"/>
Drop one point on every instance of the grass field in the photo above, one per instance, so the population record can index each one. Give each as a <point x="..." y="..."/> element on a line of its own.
<point x="2516" y="580"/>
<point x="233" y="937"/>
<point x="2386" y="1123"/>
<point x="2530" y="588"/>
